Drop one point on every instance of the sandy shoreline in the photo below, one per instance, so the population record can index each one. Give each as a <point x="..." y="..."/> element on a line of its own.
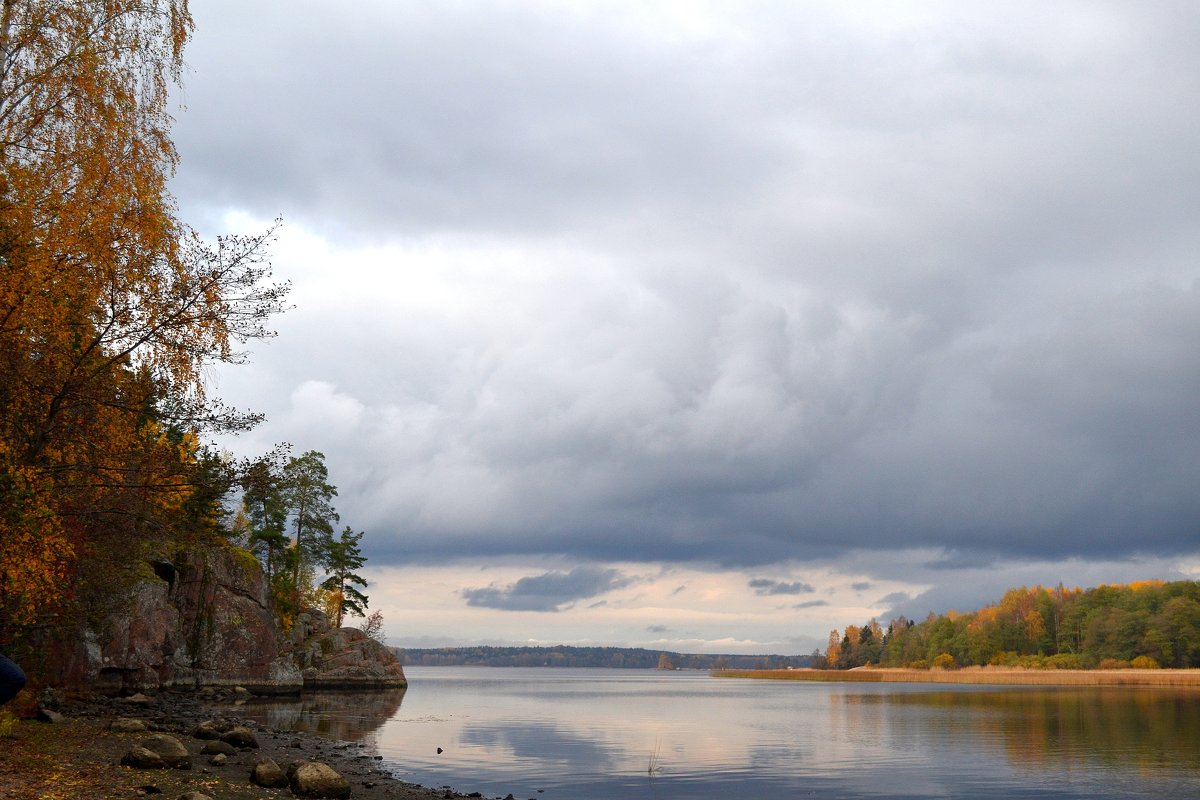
<point x="999" y="676"/>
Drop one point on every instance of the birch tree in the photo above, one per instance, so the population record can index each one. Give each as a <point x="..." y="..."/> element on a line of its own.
<point x="110" y="305"/>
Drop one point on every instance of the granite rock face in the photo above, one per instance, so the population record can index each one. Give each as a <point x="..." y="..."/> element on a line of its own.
<point x="342" y="658"/>
<point x="230" y="634"/>
<point x="205" y="620"/>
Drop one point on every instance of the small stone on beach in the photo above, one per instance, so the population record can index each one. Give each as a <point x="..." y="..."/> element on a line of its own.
<point x="240" y="737"/>
<point x="127" y="725"/>
<point x="141" y="758"/>
<point x="268" y="774"/>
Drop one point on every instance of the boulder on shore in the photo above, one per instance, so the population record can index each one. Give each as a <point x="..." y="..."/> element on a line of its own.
<point x="241" y="737"/>
<point x="169" y="749"/>
<point x="317" y="780"/>
<point x="140" y="758"/>
<point x="268" y="774"/>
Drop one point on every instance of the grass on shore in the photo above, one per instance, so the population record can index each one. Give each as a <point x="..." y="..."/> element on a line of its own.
<point x="1003" y="676"/>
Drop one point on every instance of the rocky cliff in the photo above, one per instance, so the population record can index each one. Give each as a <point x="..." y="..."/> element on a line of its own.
<point x="205" y="619"/>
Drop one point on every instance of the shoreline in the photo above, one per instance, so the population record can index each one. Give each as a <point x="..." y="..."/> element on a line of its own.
<point x="996" y="676"/>
<point x="79" y="756"/>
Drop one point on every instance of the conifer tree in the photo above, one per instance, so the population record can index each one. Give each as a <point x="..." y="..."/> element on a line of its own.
<point x="342" y="558"/>
<point x="306" y="495"/>
<point x="266" y="516"/>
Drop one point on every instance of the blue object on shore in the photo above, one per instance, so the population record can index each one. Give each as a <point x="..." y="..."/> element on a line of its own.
<point x="12" y="679"/>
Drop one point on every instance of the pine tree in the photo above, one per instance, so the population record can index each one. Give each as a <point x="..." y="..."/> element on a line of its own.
<point x="266" y="516"/>
<point x="342" y="558"/>
<point x="306" y="495"/>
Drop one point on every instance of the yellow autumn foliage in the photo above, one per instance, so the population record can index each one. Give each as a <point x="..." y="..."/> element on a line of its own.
<point x="110" y="306"/>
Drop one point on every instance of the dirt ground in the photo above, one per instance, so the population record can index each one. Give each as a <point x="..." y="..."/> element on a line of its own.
<point x="79" y="758"/>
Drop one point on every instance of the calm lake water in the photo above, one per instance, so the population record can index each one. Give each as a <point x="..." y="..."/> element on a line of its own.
<point x="591" y="734"/>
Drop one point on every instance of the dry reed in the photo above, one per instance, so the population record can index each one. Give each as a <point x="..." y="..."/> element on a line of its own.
<point x="1002" y="676"/>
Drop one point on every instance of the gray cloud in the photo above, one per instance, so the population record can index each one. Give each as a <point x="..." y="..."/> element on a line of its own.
<point x="766" y="586"/>
<point x="550" y="591"/>
<point x="812" y="604"/>
<point x="779" y="287"/>
<point x="893" y="599"/>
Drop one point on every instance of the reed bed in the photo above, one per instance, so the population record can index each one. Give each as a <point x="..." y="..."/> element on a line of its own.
<point x="1000" y="676"/>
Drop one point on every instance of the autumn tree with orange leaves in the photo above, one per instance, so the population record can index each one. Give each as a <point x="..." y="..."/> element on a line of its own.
<point x="110" y="305"/>
<point x="1147" y="623"/>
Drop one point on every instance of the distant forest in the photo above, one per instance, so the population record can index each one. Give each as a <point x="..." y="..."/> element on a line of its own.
<point x="612" y="657"/>
<point x="1141" y="625"/>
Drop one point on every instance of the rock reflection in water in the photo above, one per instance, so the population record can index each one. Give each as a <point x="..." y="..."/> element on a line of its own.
<point x="346" y="716"/>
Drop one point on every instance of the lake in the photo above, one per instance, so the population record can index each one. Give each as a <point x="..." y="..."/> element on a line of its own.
<point x="596" y="734"/>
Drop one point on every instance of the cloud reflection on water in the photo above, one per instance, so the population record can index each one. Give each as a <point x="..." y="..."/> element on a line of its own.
<point x="590" y="734"/>
<point x="544" y="743"/>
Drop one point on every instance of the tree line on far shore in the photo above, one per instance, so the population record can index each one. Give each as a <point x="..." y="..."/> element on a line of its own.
<point x="1147" y="624"/>
<point x="574" y="656"/>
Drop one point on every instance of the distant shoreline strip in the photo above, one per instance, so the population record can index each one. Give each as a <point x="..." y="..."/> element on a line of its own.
<point x="1163" y="678"/>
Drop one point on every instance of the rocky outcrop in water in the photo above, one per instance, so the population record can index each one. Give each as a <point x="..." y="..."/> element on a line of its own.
<point x="342" y="658"/>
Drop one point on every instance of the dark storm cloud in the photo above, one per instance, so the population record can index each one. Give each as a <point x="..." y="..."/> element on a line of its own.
<point x="397" y="129"/>
<point x="549" y="591"/>
<point x="782" y="285"/>
<point x="766" y="586"/>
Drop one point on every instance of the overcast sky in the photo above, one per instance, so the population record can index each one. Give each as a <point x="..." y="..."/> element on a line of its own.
<point x="713" y="326"/>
